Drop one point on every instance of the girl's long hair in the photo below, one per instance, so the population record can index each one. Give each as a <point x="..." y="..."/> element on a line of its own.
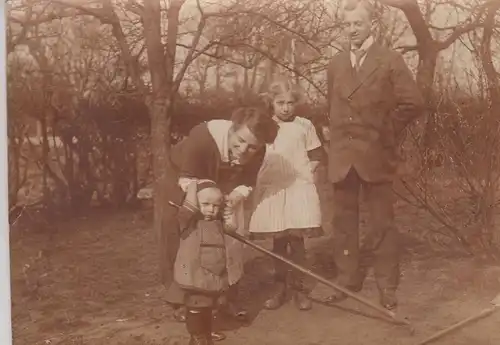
<point x="278" y="87"/>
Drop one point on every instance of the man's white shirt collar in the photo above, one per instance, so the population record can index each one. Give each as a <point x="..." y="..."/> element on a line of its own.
<point x="365" y="46"/>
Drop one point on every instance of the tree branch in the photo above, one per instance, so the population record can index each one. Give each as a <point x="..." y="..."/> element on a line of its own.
<point x="416" y="20"/>
<point x="134" y="7"/>
<point x="486" y="56"/>
<point x="204" y="51"/>
<point x="457" y="32"/>
<point x="191" y="53"/>
<point x="304" y="38"/>
<point x="103" y="14"/>
<point x="107" y="15"/>
<point x="276" y="60"/>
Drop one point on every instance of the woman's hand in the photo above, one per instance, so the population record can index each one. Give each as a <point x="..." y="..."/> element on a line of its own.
<point x="234" y="198"/>
<point x="192" y="194"/>
<point x="314" y="166"/>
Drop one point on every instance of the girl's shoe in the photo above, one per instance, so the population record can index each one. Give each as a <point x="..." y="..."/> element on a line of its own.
<point x="235" y="311"/>
<point x="200" y="340"/>
<point x="180" y="314"/>
<point x="199" y="325"/>
<point x="216" y="336"/>
<point x="277" y="299"/>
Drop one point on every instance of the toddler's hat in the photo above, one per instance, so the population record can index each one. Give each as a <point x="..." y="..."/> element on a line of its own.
<point x="204" y="184"/>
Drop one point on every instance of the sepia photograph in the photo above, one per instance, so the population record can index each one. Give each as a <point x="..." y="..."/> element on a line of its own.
<point x="252" y="172"/>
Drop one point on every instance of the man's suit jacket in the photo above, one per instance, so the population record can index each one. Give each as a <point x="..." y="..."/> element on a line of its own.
<point x="368" y="110"/>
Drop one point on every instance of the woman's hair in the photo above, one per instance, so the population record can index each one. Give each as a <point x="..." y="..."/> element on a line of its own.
<point x="280" y="86"/>
<point x="258" y="122"/>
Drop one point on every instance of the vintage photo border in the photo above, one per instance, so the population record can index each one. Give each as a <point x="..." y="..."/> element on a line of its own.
<point x="5" y="305"/>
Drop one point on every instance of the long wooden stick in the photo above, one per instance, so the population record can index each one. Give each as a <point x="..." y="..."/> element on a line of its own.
<point x="458" y="325"/>
<point x="387" y="313"/>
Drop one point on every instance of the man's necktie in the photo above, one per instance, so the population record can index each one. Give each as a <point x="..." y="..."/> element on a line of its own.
<point x="359" y="54"/>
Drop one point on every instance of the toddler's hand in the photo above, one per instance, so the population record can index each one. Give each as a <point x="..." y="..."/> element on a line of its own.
<point x="229" y="226"/>
<point x="229" y="219"/>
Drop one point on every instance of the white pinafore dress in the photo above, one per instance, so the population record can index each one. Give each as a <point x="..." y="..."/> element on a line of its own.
<point x="285" y="197"/>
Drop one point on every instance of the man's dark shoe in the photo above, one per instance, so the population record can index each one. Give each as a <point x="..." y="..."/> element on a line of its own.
<point x="388" y="299"/>
<point x="339" y="296"/>
<point x="302" y="301"/>
<point x="336" y="297"/>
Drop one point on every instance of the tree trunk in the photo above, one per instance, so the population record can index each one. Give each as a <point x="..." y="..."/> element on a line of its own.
<point x="202" y="83"/>
<point x="45" y="158"/>
<point x="160" y="105"/>
<point x="254" y="75"/>
<point x="490" y="169"/>
<point x="218" y="63"/>
<point x="245" y="80"/>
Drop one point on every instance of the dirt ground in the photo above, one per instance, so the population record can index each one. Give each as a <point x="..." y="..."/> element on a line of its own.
<point x="94" y="281"/>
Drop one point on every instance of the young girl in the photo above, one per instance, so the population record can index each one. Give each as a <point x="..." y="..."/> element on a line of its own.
<point x="200" y="267"/>
<point x="286" y="199"/>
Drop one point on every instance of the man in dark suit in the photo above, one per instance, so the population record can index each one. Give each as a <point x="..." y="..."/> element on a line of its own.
<point x="372" y="97"/>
